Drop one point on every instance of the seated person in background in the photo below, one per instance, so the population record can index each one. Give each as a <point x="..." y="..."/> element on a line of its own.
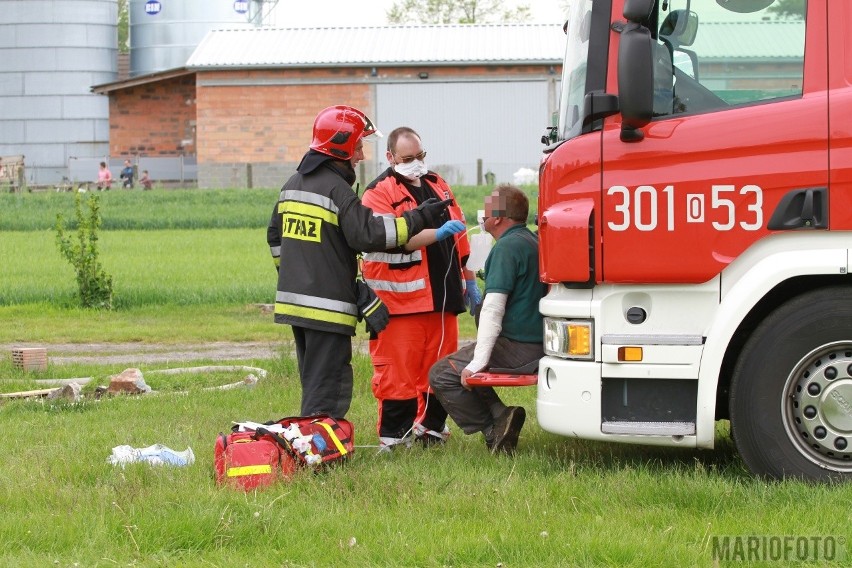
<point x="104" y="177"/>
<point x="5" y="176"/>
<point x="510" y="330"/>
<point x="145" y="180"/>
<point x="127" y="175"/>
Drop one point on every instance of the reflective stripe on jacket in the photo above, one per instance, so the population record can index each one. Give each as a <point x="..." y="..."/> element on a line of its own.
<point x="316" y="228"/>
<point x="400" y="278"/>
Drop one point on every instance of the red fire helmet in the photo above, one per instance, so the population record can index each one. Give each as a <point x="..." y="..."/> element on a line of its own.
<point x="337" y="130"/>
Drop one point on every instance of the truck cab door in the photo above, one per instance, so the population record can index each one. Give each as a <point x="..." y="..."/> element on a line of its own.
<point x="737" y="122"/>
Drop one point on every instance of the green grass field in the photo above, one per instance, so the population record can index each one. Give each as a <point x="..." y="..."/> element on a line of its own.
<point x="154" y="267"/>
<point x="145" y="210"/>
<point x="558" y="502"/>
<point x="179" y="209"/>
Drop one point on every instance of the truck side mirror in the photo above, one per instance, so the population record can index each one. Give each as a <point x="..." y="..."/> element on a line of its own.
<point x="680" y="28"/>
<point x="744" y="6"/>
<point x="637" y="11"/>
<point x="635" y="80"/>
<point x="549" y="136"/>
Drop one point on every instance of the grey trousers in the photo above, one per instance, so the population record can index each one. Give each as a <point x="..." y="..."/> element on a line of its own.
<point x="475" y="410"/>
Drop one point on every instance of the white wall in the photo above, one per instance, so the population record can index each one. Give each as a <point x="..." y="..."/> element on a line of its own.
<point x="499" y="122"/>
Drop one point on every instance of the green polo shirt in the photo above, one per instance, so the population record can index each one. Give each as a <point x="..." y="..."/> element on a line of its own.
<point x="512" y="269"/>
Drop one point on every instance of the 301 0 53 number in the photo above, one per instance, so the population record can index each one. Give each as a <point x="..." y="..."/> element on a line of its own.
<point x="643" y="207"/>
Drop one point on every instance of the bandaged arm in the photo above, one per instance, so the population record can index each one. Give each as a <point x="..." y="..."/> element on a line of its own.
<point x="490" y="325"/>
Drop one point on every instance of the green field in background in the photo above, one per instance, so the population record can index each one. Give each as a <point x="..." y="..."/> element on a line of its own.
<point x="179" y="209"/>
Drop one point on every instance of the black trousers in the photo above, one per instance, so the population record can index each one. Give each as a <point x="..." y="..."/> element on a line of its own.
<point x="397" y="416"/>
<point x="325" y="370"/>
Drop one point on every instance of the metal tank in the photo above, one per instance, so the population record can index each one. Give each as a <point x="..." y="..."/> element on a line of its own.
<point x="51" y="53"/>
<point x="164" y="33"/>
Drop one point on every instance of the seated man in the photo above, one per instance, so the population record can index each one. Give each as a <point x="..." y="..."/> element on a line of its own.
<point x="127" y="175"/>
<point x="104" y="177"/>
<point x="4" y="178"/>
<point x="145" y="180"/>
<point x="510" y="326"/>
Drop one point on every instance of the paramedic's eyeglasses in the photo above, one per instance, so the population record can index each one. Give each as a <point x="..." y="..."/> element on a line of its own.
<point x="409" y="159"/>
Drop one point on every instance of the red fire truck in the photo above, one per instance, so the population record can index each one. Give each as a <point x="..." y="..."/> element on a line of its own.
<point x="695" y="212"/>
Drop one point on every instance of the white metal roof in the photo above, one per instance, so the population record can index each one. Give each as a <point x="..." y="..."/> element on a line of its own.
<point x="755" y="40"/>
<point x="386" y="45"/>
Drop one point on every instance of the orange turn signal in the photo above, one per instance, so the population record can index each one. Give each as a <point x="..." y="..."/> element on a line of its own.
<point x="629" y="354"/>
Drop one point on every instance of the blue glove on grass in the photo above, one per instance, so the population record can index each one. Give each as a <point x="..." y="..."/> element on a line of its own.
<point x="472" y="295"/>
<point x="449" y="228"/>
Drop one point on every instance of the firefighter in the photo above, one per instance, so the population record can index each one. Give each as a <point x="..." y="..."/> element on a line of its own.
<point x="424" y="285"/>
<point x="316" y="228"/>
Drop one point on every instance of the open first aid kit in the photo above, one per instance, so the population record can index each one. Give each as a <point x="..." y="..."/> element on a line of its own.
<point x="256" y="455"/>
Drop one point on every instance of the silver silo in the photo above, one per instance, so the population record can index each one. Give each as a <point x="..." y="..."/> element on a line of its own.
<point x="51" y="53"/>
<point x="164" y="33"/>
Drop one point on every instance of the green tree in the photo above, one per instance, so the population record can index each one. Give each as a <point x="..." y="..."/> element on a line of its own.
<point x="123" y="27"/>
<point x="456" y="12"/>
<point x="788" y="9"/>
<point x="95" y="285"/>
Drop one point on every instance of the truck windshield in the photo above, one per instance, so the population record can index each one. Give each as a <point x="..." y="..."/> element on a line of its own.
<point x="574" y="69"/>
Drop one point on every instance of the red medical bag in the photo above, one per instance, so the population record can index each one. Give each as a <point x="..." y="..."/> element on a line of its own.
<point x="275" y="450"/>
<point x="249" y="461"/>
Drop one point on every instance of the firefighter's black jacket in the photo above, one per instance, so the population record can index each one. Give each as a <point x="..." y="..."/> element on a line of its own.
<point x="316" y="229"/>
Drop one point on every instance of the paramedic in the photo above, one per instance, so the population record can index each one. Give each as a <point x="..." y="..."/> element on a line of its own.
<point x="424" y="286"/>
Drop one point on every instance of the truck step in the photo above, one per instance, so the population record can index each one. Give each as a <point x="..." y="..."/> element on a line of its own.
<point x="491" y="379"/>
<point x="649" y="428"/>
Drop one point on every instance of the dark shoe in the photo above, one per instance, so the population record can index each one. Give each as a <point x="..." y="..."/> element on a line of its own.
<point x="428" y="441"/>
<point x="388" y="445"/>
<point x="507" y="428"/>
<point x="429" y="438"/>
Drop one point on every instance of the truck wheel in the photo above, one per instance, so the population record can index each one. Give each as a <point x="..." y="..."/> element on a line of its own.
<point x="791" y="392"/>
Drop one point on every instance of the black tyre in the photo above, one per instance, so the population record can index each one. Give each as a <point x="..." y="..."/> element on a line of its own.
<point x="791" y="392"/>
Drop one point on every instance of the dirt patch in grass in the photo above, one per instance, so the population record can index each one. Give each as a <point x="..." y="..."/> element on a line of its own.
<point x="148" y="353"/>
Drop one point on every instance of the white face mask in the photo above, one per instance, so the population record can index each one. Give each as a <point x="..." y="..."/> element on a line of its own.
<point x="412" y="170"/>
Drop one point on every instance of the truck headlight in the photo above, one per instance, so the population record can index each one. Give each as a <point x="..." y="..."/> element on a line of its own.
<point x="568" y="338"/>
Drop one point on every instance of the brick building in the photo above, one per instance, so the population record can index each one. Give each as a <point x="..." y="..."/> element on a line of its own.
<point x="153" y="115"/>
<point x="243" y="106"/>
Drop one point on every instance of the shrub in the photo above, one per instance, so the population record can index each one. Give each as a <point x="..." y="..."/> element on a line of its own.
<point x="95" y="285"/>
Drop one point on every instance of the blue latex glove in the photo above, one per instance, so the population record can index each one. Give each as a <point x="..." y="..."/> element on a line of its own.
<point x="472" y="295"/>
<point x="449" y="228"/>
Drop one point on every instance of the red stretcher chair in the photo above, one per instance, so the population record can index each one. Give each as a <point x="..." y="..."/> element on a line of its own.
<point x="520" y="377"/>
